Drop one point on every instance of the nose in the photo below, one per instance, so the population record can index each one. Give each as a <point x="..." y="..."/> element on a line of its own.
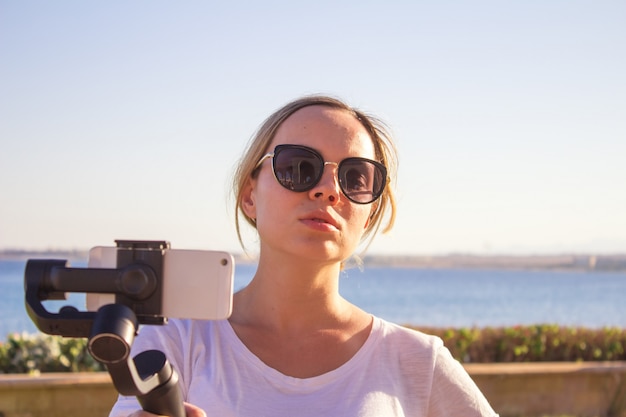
<point x="328" y="186"/>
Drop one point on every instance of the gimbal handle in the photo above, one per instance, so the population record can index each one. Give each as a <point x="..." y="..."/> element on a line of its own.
<point x="149" y="376"/>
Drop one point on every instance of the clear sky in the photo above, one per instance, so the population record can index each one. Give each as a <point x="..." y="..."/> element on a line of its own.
<point x="125" y="119"/>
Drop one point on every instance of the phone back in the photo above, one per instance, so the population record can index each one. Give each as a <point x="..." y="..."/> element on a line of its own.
<point x="197" y="284"/>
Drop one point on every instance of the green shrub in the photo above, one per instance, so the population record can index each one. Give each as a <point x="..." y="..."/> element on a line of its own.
<point x="24" y="353"/>
<point x="535" y="343"/>
<point x="33" y="353"/>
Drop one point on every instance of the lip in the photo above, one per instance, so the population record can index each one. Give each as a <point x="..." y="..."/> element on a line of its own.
<point x="320" y="220"/>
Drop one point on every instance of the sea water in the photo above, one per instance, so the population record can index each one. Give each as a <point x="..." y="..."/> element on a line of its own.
<point x="422" y="297"/>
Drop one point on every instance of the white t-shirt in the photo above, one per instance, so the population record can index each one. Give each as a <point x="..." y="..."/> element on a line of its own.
<point x="397" y="372"/>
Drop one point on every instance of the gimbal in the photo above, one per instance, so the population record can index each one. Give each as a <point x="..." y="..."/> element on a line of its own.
<point x="137" y="283"/>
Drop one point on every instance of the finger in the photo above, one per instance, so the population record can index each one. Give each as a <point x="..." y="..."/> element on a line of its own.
<point x="142" y="413"/>
<point x="193" y="411"/>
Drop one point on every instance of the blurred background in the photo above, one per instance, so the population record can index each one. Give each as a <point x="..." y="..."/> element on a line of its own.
<point x="124" y="120"/>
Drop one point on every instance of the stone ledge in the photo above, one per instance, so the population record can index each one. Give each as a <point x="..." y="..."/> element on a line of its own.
<point x="24" y="381"/>
<point x="582" y="389"/>
<point x="527" y="368"/>
<point x="585" y="389"/>
<point x="56" y="395"/>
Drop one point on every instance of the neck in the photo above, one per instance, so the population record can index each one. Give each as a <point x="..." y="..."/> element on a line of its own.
<point x="292" y="295"/>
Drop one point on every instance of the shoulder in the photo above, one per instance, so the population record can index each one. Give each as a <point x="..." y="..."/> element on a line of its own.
<point x="428" y="367"/>
<point x="408" y="348"/>
<point x="395" y="333"/>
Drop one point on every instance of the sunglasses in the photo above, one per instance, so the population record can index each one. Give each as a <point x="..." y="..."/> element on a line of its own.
<point x="300" y="168"/>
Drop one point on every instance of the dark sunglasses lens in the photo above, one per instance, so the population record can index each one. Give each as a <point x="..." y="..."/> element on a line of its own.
<point x="361" y="180"/>
<point x="297" y="169"/>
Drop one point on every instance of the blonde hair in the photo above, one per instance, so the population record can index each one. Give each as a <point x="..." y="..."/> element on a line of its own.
<point x="385" y="150"/>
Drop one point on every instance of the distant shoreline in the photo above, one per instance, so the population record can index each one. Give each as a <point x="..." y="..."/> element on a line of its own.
<point x="568" y="262"/>
<point x="577" y="262"/>
<point x="22" y="255"/>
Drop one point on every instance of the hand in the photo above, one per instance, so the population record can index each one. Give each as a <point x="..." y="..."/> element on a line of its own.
<point x="190" y="411"/>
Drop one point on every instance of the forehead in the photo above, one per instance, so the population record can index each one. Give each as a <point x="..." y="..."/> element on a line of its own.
<point x="325" y="128"/>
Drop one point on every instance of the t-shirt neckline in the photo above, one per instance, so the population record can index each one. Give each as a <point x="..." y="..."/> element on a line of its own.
<point x="243" y="353"/>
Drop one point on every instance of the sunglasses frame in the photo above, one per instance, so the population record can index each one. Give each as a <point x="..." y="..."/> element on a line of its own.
<point x="318" y="156"/>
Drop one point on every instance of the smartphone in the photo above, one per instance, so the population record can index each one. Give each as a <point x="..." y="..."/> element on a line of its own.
<point x="197" y="284"/>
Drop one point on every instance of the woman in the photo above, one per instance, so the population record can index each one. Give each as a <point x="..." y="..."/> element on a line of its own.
<point x="314" y="183"/>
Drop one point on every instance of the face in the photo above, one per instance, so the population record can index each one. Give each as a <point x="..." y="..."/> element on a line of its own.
<point x="320" y="223"/>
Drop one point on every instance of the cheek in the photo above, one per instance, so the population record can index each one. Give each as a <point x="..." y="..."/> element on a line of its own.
<point x="360" y="218"/>
<point x="270" y="198"/>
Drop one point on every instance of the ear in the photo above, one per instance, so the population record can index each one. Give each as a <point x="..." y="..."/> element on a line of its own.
<point x="248" y="199"/>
